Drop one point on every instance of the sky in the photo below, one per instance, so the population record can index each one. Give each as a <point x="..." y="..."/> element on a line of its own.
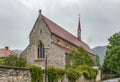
<point x="99" y="19"/>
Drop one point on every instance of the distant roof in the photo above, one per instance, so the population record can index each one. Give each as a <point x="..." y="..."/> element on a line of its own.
<point x="62" y="33"/>
<point x="5" y="52"/>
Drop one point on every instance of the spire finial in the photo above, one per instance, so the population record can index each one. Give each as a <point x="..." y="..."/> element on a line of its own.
<point x="40" y="11"/>
<point x="79" y="16"/>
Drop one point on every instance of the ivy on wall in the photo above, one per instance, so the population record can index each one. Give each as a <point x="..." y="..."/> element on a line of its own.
<point x="54" y="74"/>
<point x="88" y="72"/>
<point x="36" y="74"/>
<point x="72" y="74"/>
<point x="14" y="61"/>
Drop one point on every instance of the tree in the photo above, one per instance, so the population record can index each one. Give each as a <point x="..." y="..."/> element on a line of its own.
<point x="14" y="61"/>
<point x="111" y="63"/>
<point x="114" y="40"/>
<point x="80" y="57"/>
<point x="97" y="60"/>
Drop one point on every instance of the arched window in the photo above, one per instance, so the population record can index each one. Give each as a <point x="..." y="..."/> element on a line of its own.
<point x="41" y="50"/>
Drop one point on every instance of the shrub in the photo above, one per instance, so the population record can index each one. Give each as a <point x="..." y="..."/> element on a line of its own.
<point x="72" y="74"/>
<point x="54" y="74"/>
<point x="1" y="61"/>
<point x="88" y="72"/>
<point x="80" y="56"/>
<point x="36" y="74"/>
<point x="61" y="72"/>
<point x="15" y="61"/>
<point x="67" y="66"/>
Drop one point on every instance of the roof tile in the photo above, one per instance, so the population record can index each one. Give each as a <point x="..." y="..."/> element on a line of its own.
<point x="59" y="31"/>
<point x="6" y="52"/>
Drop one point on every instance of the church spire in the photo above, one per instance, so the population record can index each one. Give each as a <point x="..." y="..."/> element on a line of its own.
<point x="79" y="29"/>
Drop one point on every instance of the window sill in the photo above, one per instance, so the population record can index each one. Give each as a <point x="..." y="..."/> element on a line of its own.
<point x="40" y="59"/>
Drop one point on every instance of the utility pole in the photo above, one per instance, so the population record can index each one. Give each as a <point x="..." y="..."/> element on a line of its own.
<point x="46" y="50"/>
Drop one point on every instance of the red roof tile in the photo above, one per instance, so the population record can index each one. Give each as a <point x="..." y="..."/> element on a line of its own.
<point x="5" y="52"/>
<point x="59" y="31"/>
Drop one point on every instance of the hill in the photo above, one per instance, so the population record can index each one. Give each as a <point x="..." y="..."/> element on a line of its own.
<point x="100" y="51"/>
<point x="17" y="51"/>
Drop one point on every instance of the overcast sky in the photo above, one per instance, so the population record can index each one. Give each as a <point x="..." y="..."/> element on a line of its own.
<point x="99" y="19"/>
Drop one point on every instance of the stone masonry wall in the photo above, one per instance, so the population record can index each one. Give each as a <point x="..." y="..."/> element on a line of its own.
<point x="41" y="33"/>
<point x="10" y="74"/>
<point x="63" y="42"/>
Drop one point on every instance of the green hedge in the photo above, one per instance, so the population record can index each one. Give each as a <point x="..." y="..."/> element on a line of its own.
<point x="88" y="72"/>
<point x="54" y="74"/>
<point x="72" y="74"/>
<point x="2" y="61"/>
<point x="36" y="74"/>
<point x="14" y="61"/>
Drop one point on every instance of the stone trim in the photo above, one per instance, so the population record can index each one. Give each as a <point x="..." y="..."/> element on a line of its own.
<point x="12" y="67"/>
<point x="40" y="59"/>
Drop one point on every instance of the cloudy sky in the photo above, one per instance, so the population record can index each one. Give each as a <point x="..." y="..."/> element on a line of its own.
<point x="99" y="19"/>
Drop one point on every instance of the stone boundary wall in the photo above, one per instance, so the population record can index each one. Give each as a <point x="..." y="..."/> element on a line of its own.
<point x="109" y="76"/>
<point x="81" y="79"/>
<point x="14" y="74"/>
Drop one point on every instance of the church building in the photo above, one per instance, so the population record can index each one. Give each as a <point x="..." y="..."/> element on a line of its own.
<point x="48" y="38"/>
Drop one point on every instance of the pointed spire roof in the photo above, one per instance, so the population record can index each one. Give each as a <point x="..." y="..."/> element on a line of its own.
<point x="79" y="27"/>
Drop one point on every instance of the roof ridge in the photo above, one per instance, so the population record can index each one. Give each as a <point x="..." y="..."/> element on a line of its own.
<point x="64" y="34"/>
<point x="60" y="27"/>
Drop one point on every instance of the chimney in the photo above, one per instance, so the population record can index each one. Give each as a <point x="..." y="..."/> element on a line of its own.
<point x="6" y="48"/>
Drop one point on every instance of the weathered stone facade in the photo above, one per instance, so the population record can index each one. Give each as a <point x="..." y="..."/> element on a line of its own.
<point x="57" y="57"/>
<point x="41" y="33"/>
<point x="12" y="74"/>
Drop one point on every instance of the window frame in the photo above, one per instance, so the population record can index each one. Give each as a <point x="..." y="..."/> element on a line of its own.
<point x="39" y="46"/>
<point x="40" y="50"/>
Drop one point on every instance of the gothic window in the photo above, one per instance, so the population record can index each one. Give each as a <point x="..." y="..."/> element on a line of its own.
<point x="41" y="51"/>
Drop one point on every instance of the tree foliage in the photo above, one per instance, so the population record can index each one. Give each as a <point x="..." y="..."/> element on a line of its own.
<point x="112" y="58"/>
<point x="15" y="61"/>
<point x="81" y="57"/>
<point x="88" y="72"/>
<point x="73" y="74"/>
<point x="54" y="74"/>
<point x="97" y="60"/>
<point x="114" y="40"/>
<point x="36" y="74"/>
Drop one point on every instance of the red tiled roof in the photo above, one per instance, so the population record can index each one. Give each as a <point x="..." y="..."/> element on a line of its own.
<point x="5" y="52"/>
<point x="59" y="31"/>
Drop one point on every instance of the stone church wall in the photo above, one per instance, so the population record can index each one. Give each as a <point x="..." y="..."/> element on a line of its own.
<point x="62" y="42"/>
<point x="10" y="74"/>
<point x="41" y="33"/>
